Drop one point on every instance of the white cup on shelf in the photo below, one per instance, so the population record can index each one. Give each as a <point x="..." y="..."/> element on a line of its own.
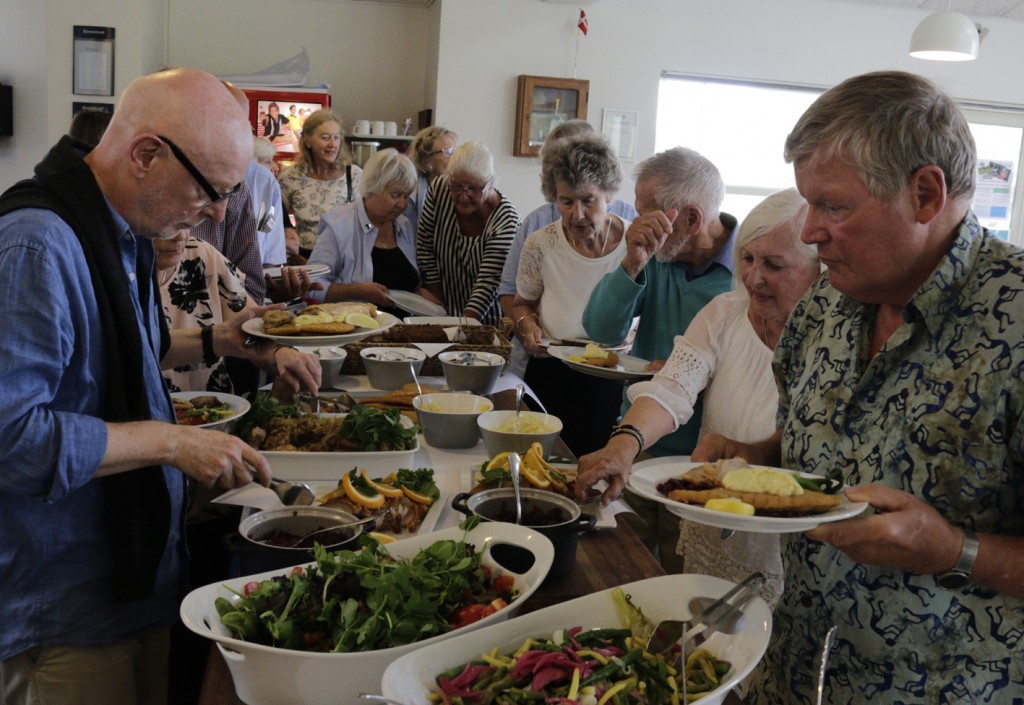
<point x="377" y="127"/>
<point x="391" y="128"/>
<point x="362" y="127"/>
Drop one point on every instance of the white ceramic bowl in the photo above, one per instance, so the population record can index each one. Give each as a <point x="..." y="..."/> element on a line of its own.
<point x="408" y="679"/>
<point x="449" y="419"/>
<point x="497" y="439"/>
<point x="265" y="675"/>
<point x="331" y="361"/>
<point x="388" y="368"/>
<point x="474" y="372"/>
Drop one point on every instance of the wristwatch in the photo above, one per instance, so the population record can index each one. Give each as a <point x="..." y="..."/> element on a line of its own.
<point x="960" y="575"/>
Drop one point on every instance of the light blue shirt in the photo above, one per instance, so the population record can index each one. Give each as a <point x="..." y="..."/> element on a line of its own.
<point x="417" y="199"/>
<point x="54" y="560"/>
<point x="345" y="241"/>
<point x="266" y="195"/>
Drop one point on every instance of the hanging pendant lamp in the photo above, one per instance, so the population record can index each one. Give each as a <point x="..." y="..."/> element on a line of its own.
<point x="946" y="36"/>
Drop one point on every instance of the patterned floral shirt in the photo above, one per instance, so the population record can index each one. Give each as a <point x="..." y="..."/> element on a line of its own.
<point x="309" y="198"/>
<point x="937" y="413"/>
<point x="205" y="289"/>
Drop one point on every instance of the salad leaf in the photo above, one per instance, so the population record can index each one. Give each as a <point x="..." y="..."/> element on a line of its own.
<point x="830" y="484"/>
<point x="378" y="429"/>
<point x="420" y="481"/>
<point x="263" y="407"/>
<point x="631" y="616"/>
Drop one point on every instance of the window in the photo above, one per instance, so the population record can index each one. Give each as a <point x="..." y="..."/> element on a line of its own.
<point x="741" y="126"/>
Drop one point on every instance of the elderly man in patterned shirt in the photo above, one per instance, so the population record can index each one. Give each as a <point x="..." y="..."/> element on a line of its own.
<point x="901" y="369"/>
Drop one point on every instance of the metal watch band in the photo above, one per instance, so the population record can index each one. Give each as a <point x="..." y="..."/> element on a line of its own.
<point x="960" y="575"/>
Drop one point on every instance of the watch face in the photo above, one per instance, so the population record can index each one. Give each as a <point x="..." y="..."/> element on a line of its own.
<point x="954" y="580"/>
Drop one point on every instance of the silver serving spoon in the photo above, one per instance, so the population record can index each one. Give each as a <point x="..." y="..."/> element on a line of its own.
<point x="415" y="379"/>
<point x="520" y="390"/>
<point x="513" y="468"/>
<point x="331" y="528"/>
<point x="825" y="649"/>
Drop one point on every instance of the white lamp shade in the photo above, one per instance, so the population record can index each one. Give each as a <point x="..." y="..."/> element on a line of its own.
<point x="945" y="36"/>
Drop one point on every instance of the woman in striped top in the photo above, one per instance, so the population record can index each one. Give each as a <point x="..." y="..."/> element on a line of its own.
<point x="464" y="234"/>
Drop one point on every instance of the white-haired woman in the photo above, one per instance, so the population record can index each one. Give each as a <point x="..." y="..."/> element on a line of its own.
<point x="726" y="353"/>
<point x="464" y="234"/>
<point x="368" y="244"/>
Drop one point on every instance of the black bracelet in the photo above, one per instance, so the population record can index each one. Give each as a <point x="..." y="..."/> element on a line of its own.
<point x="631" y="431"/>
<point x="206" y="334"/>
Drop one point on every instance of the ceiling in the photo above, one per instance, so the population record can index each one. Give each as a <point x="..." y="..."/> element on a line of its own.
<point x="1010" y="9"/>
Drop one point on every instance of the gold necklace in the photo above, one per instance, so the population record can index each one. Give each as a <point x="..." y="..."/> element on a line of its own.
<point x="604" y="245"/>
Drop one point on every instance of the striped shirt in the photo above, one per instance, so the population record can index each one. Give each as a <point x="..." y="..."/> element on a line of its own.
<point x="468" y="268"/>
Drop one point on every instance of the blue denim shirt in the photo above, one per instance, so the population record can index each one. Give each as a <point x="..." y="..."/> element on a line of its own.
<point x="54" y="566"/>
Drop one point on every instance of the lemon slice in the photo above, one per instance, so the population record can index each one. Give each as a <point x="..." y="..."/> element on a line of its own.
<point x="730" y="505"/>
<point x="382" y="538"/>
<point x="416" y="497"/>
<point x="364" y="500"/>
<point x="361" y="320"/>
<point x="500" y="461"/>
<point x="386" y="489"/>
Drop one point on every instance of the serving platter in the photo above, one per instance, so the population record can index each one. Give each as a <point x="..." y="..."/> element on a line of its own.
<point x="414" y="303"/>
<point x="254" y="327"/>
<point x="409" y="678"/>
<point x="238" y="405"/>
<point x="629" y="367"/>
<point x="321" y="488"/>
<point x="266" y="675"/>
<point x="648" y="474"/>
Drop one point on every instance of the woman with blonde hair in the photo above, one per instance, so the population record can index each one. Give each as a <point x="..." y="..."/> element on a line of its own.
<point x="430" y="151"/>
<point x="323" y="178"/>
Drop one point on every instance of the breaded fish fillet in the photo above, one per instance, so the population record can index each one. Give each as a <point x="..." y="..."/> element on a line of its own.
<point x="771" y="505"/>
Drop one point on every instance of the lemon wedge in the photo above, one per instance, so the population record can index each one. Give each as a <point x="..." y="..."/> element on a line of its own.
<point x="730" y="505"/>
<point x="361" y="320"/>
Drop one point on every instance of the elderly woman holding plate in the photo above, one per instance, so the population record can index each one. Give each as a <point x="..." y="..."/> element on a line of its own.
<point x="464" y="234"/>
<point x="726" y="353"/>
<point x="559" y="267"/>
<point x="369" y="245"/>
<point x="323" y="179"/>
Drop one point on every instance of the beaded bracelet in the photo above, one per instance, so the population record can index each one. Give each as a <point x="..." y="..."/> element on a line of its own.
<point x="630" y="430"/>
<point x="206" y="335"/>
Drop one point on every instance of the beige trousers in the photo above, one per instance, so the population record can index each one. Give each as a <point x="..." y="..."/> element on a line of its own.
<point x="130" y="672"/>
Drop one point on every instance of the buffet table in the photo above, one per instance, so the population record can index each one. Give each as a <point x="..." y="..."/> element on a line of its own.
<point x="605" y="558"/>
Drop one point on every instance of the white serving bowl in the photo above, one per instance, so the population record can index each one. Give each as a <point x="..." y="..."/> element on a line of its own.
<point x="389" y="368"/>
<point x="475" y="372"/>
<point x="331" y="361"/>
<point x="265" y="675"/>
<point x="499" y="441"/>
<point x="449" y="419"/>
<point x="409" y="678"/>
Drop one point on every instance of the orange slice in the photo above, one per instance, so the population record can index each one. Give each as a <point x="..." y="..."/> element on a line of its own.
<point x="364" y="500"/>
<point x="382" y="538"/>
<point x="416" y="496"/>
<point x="500" y="461"/>
<point x="535" y="475"/>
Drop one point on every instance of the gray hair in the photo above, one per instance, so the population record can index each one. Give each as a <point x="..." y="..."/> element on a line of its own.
<point x="783" y="209"/>
<point x="473" y="159"/>
<point x="312" y="122"/>
<point x="387" y="170"/>
<point x="263" y="149"/>
<point x="682" y="178"/>
<point x="887" y="125"/>
<point x="583" y="160"/>
<point x="563" y="130"/>
<point x="423" y="145"/>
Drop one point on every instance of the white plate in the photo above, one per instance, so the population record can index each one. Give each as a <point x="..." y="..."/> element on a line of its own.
<point x="440" y="321"/>
<point x="414" y="303"/>
<point x="647" y="474"/>
<point x="265" y="675"/>
<point x="408" y="679"/>
<point x="238" y="405"/>
<point x="629" y="367"/>
<point x="313" y="270"/>
<point x="254" y="326"/>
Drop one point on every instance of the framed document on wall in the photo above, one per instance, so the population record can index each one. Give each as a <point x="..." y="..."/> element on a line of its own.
<point x="93" y="72"/>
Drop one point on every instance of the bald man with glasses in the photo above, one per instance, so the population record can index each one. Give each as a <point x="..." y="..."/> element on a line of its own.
<point x="92" y="491"/>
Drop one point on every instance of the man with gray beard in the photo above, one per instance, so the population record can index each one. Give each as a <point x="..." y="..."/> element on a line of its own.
<point x="678" y="258"/>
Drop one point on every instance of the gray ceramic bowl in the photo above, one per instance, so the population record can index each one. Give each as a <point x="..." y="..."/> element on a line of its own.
<point x="496" y="430"/>
<point x="388" y="368"/>
<point x="449" y="419"/>
<point x="331" y="361"/>
<point x="471" y="371"/>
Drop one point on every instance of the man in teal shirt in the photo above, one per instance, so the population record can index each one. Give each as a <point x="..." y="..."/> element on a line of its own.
<point x="678" y="258"/>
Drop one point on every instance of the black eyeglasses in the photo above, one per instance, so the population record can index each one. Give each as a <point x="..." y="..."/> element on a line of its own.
<point x="214" y="195"/>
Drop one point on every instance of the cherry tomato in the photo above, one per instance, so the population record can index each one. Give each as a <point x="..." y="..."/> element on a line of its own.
<point x="503" y="584"/>
<point x="250" y="587"/>
<point x="469" y="614"/>
<point x="297" y="570"/>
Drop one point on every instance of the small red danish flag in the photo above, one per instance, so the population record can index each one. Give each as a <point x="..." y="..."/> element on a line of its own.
<point x="582" y="24"/>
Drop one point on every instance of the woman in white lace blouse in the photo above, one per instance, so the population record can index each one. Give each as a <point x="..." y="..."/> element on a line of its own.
<point x="726" y="353"/>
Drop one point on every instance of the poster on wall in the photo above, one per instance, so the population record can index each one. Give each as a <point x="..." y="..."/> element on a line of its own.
<point x="93" y="71"/>
<point x="619" y="126"/>
<point x="993" y="195"/>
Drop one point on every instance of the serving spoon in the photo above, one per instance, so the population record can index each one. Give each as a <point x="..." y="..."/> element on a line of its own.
<point x="520" y="390"/>
<point x="513" y="469"/>
<point x="326" y="529"/>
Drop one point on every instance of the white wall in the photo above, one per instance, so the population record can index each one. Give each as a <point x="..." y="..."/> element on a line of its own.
<point x="23" y="66"/>
<point x="631" y="41"/>
<point x="374" y="56"/>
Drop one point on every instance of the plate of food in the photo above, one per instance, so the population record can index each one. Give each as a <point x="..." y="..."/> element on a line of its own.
<point x="416" y="304"/>
<point x="601" y="362"/>
<point x="405" y="502"/>
<point x="212" y="410"/>
<point x="733" y="494"/>
<point x="313" y="270"/>
<point x="321" y="324"/>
